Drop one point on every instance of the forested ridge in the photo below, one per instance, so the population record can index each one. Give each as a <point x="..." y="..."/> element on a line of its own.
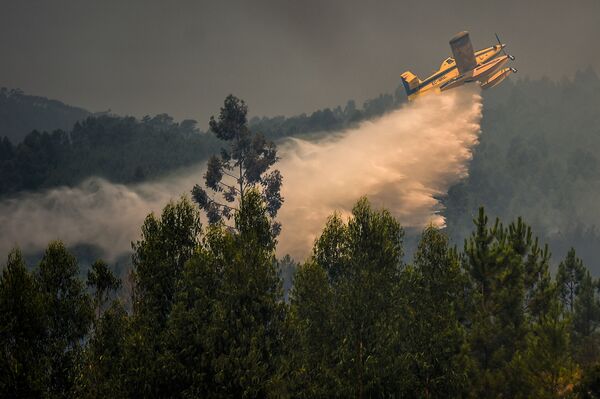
<point x="120" y="149"/>
<point x="21" y="113"/>
<point x="128" y="150"/>
<point x="203" y="312"/>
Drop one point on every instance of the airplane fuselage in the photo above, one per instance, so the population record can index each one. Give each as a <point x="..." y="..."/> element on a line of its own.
<point x="486" y="66"/>
<point x="489" y="71"/>
<point x="448" y="70"/>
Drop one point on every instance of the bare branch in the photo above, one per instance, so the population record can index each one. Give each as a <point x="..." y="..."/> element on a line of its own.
<point x="230" y="175"/>
<point x="228" y="186"/>
<point x="223" y="205"/>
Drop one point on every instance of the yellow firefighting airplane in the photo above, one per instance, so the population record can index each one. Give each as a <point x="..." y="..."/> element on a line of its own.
<point x="467" y="66"/>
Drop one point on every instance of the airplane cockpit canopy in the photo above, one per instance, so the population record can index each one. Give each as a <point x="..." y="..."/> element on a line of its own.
<point x="447" y="63"/>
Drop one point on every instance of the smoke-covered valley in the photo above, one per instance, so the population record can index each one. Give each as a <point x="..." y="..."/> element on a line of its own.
<point x="402" y="161"/>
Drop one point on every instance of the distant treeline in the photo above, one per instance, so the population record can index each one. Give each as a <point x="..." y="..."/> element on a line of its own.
<point x="203" y="315"/>
<point x="327" y="119"/>
<point x="127" y="150"/>
<point x="120" y="149"/>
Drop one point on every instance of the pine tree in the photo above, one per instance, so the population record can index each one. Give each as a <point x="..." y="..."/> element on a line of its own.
<point x="570" y="273"/>
<point x="586" y="319"/>
<point x="539" y="288"/>
<point x="499" y="261"/>
<point x="586" y="310"/>
<point x="577" y="293"/>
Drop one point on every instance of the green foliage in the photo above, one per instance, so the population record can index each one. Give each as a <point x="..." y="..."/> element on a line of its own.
<point x="570" y="274"/>
<point x="586" y="315"/>
<point x="250" y="308"/>
<point x="537" y="157"/>
<point x="509" y="285"/>
<point x="188" y="349"/>
<point x="101" y="278"/>
<point x="70" y="145"/>
<point x="209" y="317"/>
<point x="434" y="337"/>
<point x="311" y="345"/>
<point x="243" y="165"/>
<point x="104" y="359"/>
<point x="578" y="295"/>
<point x="22" y="332"/>
<point x="545" y="368"/>
<point x="159" y="258"/>
<point x="68" y="310"/>
<point x="120" y="149"/>
<point x="589" y="387"/>
<point x="225" y="334"/>
<point x="362" y="261"/>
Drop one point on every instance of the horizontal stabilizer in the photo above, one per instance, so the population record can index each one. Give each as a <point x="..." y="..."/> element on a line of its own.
<point x="411" y="82"/>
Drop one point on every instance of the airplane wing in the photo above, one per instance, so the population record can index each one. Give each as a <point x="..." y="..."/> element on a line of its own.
<point x="462" y="49"/>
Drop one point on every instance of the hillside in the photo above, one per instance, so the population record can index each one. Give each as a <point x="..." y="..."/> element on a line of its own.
<point x="126" y="149"/>
<point x="538" y="158"/>
<point x="21" y="113"/>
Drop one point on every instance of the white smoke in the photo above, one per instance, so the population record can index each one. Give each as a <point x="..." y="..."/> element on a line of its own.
<point x="401" y="161"/>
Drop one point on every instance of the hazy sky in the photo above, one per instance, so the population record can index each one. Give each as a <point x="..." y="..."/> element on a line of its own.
<point x="282" y="57"/>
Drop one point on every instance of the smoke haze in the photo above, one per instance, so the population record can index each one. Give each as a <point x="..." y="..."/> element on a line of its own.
<point x="401" y="161"/>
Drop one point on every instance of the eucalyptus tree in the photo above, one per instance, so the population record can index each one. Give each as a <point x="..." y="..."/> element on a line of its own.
<point x="245" y="162"/>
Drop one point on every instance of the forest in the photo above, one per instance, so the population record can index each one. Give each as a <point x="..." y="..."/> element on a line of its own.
<point x="537" y="155"/>
<point x="128" y="150"/>
<point x="120" y="149"/>
<point x="537" y="158"/>
<point x="203" y="312"/>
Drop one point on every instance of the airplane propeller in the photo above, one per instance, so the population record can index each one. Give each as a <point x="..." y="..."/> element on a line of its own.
<point x="512" y="58"/>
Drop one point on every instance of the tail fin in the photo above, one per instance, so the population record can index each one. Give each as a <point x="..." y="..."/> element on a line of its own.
<point x="411" y="83"/>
